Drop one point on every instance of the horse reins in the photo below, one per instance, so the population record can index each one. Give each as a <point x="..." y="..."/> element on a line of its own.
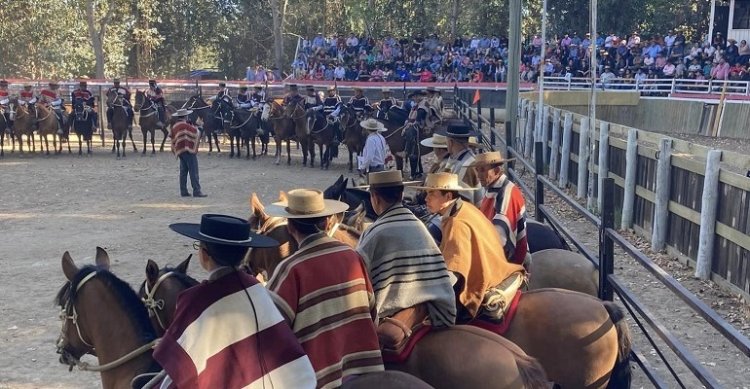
<point x="85" y="366"/>
<point x="154" y="306"/>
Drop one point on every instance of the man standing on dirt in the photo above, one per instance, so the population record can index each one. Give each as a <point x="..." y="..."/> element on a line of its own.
<point x="185" y="147"/>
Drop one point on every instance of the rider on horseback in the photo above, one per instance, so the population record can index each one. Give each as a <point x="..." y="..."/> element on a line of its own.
<point x="124" y="94"/>
<point x="293" y="96"/>
<point x="416" y="124"/>
<point x="52" y="98"/>
<point x="156" y="95"/>
<point x="385" y="104"/>
<point x="223" y="94"/>
<point x="331" y="108"/>
<point x="258" y="96"/>
<point x="244" y="98"/>
<point x="26" y="96"/>
<point x="359" y="102"/>
<point x="4" y="100"/>
<point x="83" y="95"/>
<point x="312" y="100"/>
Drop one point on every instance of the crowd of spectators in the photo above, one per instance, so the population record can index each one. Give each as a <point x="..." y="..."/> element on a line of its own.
<point x="484" y="58"/>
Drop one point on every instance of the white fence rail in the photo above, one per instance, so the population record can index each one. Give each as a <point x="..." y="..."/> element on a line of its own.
<point x="652" y="86"/>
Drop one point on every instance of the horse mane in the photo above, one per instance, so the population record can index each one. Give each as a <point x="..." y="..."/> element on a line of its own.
<point x="131" y="303"/>
<point x="183" y="278"/>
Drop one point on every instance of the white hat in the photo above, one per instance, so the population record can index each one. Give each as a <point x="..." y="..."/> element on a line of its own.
<point x="492" y="158"/>
<point x="182" y="112"/>
<point x="306" y="204"/>
<point x="373" y="125"/>
<point x="437" y="141"/>
<point x="443" y="181"/>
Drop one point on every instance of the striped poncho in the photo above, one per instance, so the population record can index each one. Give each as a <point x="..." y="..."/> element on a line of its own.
<point x="406" y="267"/>
<point x="324" y="293"/>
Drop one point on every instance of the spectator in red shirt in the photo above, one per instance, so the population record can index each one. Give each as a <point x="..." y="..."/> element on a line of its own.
<point x="425" y="75"/>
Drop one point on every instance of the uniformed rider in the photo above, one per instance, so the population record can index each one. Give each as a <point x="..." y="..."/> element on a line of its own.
<point x="124" y="93"/>
<point x="223" y="94"/>
<point x="258" y="96"/>
<point x="244" y="99"/>
<point x="52" y="98"/>
<point x="385" y="104"/>
<point x="312" y="100"/>
<point x="156" y="95"/>
<point x="415" y="124"/>
<point x="293" y="97"/>
<point x="4" y="100"/>
<point x="359" y="102"/>
<point x="27" y="96"/>
<point x="83" y="95"/>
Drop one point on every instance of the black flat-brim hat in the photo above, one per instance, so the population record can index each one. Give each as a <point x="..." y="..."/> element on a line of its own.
<point x="223" y="230"/>
<point x="458" y="131"/>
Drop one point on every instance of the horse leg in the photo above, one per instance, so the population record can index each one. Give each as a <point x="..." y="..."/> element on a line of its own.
<point x="125" y="141"/>
<point x="216" y="140"/>
<point x="166" y="133"/>
<point x="288" y="153"/>
<point x="252" y="140"/>
<point x="80" y="145"/>
<point x="46" y="144"/>
<point x="153" y="142"/>
<point x="279" y="143"/>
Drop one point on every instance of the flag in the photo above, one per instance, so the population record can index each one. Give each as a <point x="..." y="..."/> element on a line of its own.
<point x="476" y="98"/>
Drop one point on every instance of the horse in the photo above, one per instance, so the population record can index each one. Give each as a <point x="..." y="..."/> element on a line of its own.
<point x="543" y="237"/>
<point x="155" y="291"/>
<point x="496" y="362"/>
<point x="89" y="291"/>
<point x="47" y="124"/>
<point x="120" y="124"/>
<point x="211" y="125"/>
<point x="321" y="133"/>
<point x="395" y="136"/>
<point x="351" y="196"/>
<point x="24" y="124"/>
<point x="149" y="118"/>
<point x="5" y="126"/>
<point x="556" y="268"/>
<point x="82" y="125"/>
<point x="285" y="129"/>
<point x="354" y="135"/>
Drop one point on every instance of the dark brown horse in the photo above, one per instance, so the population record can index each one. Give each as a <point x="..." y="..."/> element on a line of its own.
<point x="5" y="127"/>
<point x="120" y="124"/>
<point x="288" y="124"/>
<point x="354" y="135"/>
<point x="102" y="316"/>
<point x="82" y="125"/>
<point x="321" y="134"/>
<point x="24" y="123"/>
<point x="47" y="125"/>
<point x="148" y="119"/>
<point x="161" y="288"/>
<point x="210" y="124"/>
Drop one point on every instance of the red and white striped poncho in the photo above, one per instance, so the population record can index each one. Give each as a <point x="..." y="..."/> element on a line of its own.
<point x="503" y="204"/>
<point x="219" y="339"/>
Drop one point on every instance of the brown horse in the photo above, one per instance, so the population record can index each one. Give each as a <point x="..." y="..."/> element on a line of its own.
<point x="396" y="143"/>
<point x="101" y="315"/>
<point x="286" y="127"/>
<point x="556" y="268"/>
<point x="47" y="125"/>
<point x="156" y="293"/>
<point x="120" y="123"/>
<point x="321" y="134"/>
<point x="149" y="118"/>
<point x="354" y="135"/>
<point x="24" y="124"/>
<point x="438" y="358"/>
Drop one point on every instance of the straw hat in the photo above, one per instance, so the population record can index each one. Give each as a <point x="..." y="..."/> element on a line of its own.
<point x="443" y="181"/>
<point x="182" y="112"/>
<point x="474" y="142"/>
<point x="437" y="141"/>
<point x="386" y="179"/>
<point x="373" y="125"/>
<point x="306" y="204"/>
<point x="491" y="158"/>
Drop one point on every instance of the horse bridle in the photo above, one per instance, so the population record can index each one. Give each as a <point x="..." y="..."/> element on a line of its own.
<point x="69" y="314"/>
<point x="152" y="305"/>
<point x="151" y="106"/>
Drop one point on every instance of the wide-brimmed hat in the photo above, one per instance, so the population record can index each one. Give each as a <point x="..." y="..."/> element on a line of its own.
<point x="474" y="142"/>
<point x="356" y="88"/>
<point x="182" y="112"/>
<point x="437" y="141"/>
<point x="223" y="230"/>
<point x="115" y="80"/>
<point x="417" y="93"/>
<point x="258" y="86"/>
<point x="432" y="89"/>
<point x="386" y="179"/>
<point x="306" y="204"/>
<point x="386" y="90"/>
<point x="310" y="88"/>
<point x="442" y="181"/>
<point x="292" y="86"/>
<point x="373" y="125"/>
<point x="459" y="131"/>
<point x="222" y="84"/>
<point x="331" y="88"/>
<point x="491" y="158"/>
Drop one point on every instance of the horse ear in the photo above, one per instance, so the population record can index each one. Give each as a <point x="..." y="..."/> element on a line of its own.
<point x="68" y="266"/>
<point x="152" y="272"/>
<point x="340" y="180"/>
<point x="256" y="207"/>
<point x="182" y="267"/>
<point x="282" y="196"/>
<point x="102" y="258"/>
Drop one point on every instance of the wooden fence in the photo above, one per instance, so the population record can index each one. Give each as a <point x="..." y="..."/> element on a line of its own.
<point x="661" y="188"/>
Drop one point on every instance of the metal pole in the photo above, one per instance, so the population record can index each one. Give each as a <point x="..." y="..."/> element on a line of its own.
<point x="539" y="187"/>
<point x="492" y="127"/>
<point x="514" y="60"/>
<point x="540" y="117"/>
<point x="592" y="107"/>
<point x="606" y="246"/>
<point x="711" y="21"/>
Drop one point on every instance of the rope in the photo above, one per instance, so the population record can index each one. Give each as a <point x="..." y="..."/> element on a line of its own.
<point x="119" y="361"/>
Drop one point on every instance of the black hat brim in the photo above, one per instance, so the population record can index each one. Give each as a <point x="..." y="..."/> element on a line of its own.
<point x="192" y="230"/>
<point x="444" y="132"/>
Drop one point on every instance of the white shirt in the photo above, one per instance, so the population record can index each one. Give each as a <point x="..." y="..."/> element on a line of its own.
<point x="374" y="152"/>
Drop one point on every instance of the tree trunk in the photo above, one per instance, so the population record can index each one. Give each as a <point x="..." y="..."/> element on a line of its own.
<point x="371" y="17"/>
<point x="277" y="10"/>
<point x="454" y="17"/>
<point x="97" y="38"/>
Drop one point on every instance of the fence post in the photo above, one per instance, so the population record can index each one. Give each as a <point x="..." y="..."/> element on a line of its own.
<point x="708" y="215"/>
<point x="583" y="159"/>
<point x="603" y="160"/>
<point x="631" y="167"/>
<point x="539" y="187"/>
<point x="545" y="134"/>
<point x="479" y="118"/>
<point x="606" y="246"/>
<point x="492" y="126"/>
<point x="529" y="130"/>
<point x="102" y="112"/>
<point x="661" y="206"/>
<point x="565" y="153"/>
<point x="555" y="148"/>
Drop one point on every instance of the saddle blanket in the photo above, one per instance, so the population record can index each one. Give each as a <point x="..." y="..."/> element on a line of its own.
<point x="416" y="336"/>
<point x="502" y="327"/>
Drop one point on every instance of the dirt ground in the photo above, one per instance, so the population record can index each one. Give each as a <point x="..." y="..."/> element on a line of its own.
<point x="50" y="205"/>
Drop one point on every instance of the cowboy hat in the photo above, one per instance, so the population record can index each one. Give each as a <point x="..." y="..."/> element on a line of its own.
<point x="474" y="142"/>
<point x="385" y="179"/>
<point x="417" y="93"/>
<point x="223" y="230"/>
<point x="442" y="181"/>
<point x="258" y="86"/>
<point x="459" y="131"/>
<point x="292" y="86"/>
<point x="386" y="90"/>
<point x="310" y="88"/>
<point x="437" y="141"/>
<point x="182" y="112"/>
<point x="373" y="125"/>
<point x="306" y="204"/>
<point x="115" y="80"/>
<point x="356" y="88"/>
<point x="222" y="84"/>
<point x="491" y="158"/>
<point x="331" y="87"/>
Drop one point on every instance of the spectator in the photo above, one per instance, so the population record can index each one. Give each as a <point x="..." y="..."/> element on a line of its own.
<point x="731" y="53"/>
<point x="720" y="71"/>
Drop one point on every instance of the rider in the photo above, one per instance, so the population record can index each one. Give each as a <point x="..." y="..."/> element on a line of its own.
<point x="124" y="93"/>
<point x="293" y="97"/>
<point x="4" y="100"/>
<point x="156" y="95"/>
<point x="359" y="102"/>
<point x="312" y="100"/>
<point x="52" y="98"/>
<point x="223" y="93"/>
<point x="386" y="103"/>
<point x="258" y="96"/>
<point x="331" y="108"/>
<point x="26" y="96"/>
<point x="82" y="94"/>
<point x="244" y="98"/>
<point x="415" y="125"/>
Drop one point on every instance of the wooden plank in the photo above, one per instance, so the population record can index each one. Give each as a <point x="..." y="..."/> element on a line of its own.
<point x="617" y="142"/>
<point x="685" y="212"/>
<point x="736" y="180"/>
<point x="647" y="151"/>
<point x="688" y="164"/>
<point x="554" y="161"/>
<point x="732" y="235"/>
<point x="663" y="187"/>
<point x="645" y="194"/>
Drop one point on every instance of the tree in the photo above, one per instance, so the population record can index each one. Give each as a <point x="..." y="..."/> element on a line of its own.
<point x="278" y="10"/>
<point x="97" y="26"/>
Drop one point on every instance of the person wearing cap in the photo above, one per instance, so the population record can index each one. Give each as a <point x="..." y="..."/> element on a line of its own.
<point x="82" y="95"/>
<point x="504" y="205"/>
<point x="375" y="150"/>
<point x="359" y="102"/>
<point x="412" y="285"/>
<point x="185" y="139"/>
<point x="470" y="247"/>
<point x="312" y="100"/>
<point x="124" y="94"/>
<point x="52" y="98"/>
<point x="461" y="158"/>
<point x="156" y="95"/>
<point x="324" y="292"/>
<point x="211" y="342"/>
<point x="27" y="95"/>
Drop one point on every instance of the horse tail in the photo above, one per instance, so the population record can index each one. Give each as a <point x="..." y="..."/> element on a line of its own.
<point x="621" y="375"/>
<point x="531" y="372"/>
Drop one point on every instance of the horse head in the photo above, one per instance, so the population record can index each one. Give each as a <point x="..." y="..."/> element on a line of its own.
<point x="81" y="110"/>
<point x="140" y="99"/>
<point x="160" y="290"/>
<point x="12" y="105"/>
<point x="335" y="191"/>
<point x="113" y="98"/>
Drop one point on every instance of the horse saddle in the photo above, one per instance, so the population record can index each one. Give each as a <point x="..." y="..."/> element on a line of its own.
<point x="496" y="301"/>
<point x="394" y="332"/>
